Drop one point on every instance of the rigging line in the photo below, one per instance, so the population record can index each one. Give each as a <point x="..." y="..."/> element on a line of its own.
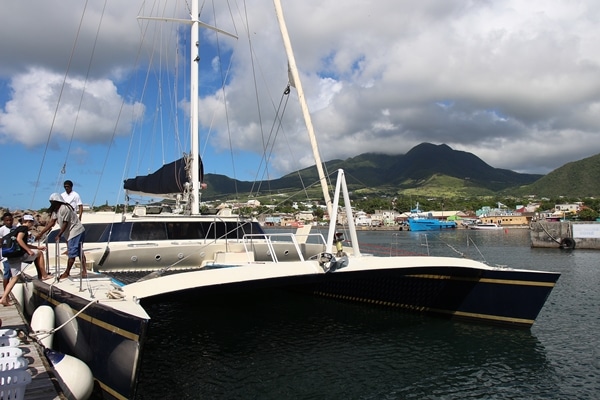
<point x="278" y="119"/>
<point x="247" y="26"/>
<point x="224" y="94"/>
<point x="157" y="36"/>
<point x="85" y="82"/>
<point x="293" y="194"/>
<point x="174" y="94"/>
<point x="266" y="157"/>
<point x="275" y="108"/>
<point x="289" y="197"/>
<point x="477" y="248"/>
<point x="172" y="89"/>
<point x="106" y="157"/>
<point x="287" y="92"/>
<point x="355" y="178"/>
<point x="62" y="88"/>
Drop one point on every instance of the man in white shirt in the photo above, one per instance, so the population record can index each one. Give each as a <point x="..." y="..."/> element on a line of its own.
<point x="71" y="197"/>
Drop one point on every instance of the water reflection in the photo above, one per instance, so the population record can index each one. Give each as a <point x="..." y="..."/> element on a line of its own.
<point x="274" y="344"/>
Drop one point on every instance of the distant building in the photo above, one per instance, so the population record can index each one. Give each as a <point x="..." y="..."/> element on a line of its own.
<point x="253" y="203"/>
<point x="362" y="219"/>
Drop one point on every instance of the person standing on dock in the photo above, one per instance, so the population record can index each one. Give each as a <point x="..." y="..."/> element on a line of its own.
<point x="70" y="226"/>
<point x="72" y="197"/>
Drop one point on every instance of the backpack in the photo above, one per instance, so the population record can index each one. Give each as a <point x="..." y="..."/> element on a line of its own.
<point x="10" y="247"/>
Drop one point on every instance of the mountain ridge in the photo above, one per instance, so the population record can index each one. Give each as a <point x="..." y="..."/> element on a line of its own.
<point x="428" y="169"/>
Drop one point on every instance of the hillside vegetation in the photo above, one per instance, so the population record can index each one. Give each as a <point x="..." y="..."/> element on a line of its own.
<point x="578" y="178"/>
<point x="426" y="170"/>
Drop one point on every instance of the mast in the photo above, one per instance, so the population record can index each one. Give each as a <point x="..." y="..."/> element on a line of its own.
<point x="194" y="92"/>
<point x="195" y="24"/>
<point x="307" y="120"/>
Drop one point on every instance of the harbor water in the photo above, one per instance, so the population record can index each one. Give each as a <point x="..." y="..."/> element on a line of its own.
<point x="281" y="345"/>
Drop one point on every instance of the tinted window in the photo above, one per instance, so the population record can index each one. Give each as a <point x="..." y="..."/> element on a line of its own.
<point x="148" y="231"/>
<point x="231" y="230"/>
<point x="252" y="228"/>
<point x="52" y="237"/>
<point x="184" y="230"/>
<point x="118" y="232"/>
<point x="94" y="232"/>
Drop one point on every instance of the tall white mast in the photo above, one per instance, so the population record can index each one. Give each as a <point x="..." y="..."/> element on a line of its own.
<point x="303" y="105"/>
<point x="194" y="93"/>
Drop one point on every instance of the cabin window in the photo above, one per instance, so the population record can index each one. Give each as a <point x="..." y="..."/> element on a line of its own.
<point x="52" y="237"/>
<point x="148" y="231"/>
<point x="95" y="232"/>
<point x="119" y="232"/>
<point x="216" y="230"/>
<point x="251" y="228"/>
<point x="184" y="230"/>
<point x="230" y="230"/>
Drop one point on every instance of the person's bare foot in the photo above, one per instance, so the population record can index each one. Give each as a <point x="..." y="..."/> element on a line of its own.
<point x="64" y="275"/>
<point x="49" y="276"/>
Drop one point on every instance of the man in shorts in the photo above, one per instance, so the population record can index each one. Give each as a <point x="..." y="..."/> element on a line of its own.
<point x="72" y="229"/>
<point x="29" y="253"/>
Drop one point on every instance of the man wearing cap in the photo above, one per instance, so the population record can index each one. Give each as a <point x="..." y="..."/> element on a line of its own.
<point x="29" y="253"/>
<point x="72" y="197"/>
<point x="72" y="229"/>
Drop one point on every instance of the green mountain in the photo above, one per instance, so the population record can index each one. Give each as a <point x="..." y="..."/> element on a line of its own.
<point x="578" y="178"/>
<point x="428" y="170"/>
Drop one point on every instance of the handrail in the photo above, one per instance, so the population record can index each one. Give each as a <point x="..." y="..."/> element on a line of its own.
<point x="267" y="237"/>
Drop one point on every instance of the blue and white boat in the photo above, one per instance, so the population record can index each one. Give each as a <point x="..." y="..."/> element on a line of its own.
<point x="419" y="222"/>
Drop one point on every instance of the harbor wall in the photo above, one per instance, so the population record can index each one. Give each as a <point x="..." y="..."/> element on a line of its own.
<point x="565" y="234"/>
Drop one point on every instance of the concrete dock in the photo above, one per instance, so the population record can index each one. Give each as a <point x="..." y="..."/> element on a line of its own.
<point x="567" y="235"/>
<point x="44" y="385"/>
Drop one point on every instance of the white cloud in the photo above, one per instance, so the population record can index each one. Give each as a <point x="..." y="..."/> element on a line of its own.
<point x="31" y="116"/>
<point x="515" y="82"/>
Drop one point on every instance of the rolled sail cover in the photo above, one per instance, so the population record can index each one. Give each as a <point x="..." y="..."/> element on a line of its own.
<point x="170" y="178"/>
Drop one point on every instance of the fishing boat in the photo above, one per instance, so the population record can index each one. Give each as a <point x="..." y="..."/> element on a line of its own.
<point x="104" y="321"/>
<point x="419" y="221"/>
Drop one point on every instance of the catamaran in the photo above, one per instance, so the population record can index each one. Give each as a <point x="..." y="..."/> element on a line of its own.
<point x="106" y="322"/>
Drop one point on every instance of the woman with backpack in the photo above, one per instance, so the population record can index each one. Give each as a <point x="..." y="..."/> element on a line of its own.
<point x="28" y="253"/>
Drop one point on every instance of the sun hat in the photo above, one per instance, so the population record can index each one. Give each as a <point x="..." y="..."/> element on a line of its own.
<point x="28" y="217"/>
<point x="56" y="197"/>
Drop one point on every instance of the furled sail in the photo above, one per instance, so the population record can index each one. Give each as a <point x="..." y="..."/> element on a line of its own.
<point x="170" y="178"/>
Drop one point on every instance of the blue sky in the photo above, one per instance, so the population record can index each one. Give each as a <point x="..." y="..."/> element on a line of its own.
<point x="515" y="83"/>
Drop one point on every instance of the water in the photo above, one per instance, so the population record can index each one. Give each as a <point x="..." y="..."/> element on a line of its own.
<point x="279" y="345"/>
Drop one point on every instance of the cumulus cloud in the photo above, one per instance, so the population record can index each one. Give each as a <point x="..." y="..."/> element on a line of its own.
<point x="45" y="107"/>
<point x="516" y="83"/>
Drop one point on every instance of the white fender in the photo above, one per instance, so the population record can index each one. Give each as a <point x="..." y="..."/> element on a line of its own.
<point x="28" y="304"/>
<point x="70" y="333"/>
<point x="74" y="376"/>
<point x="121" y="358"/>
<point x="42" y="321"/>
<point x="17" y="292"/>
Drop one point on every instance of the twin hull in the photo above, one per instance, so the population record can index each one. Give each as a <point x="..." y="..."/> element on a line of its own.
<point x="110" y="340"/>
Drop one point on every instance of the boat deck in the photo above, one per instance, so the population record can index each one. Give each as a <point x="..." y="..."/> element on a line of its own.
<point x="44" y="385"/>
